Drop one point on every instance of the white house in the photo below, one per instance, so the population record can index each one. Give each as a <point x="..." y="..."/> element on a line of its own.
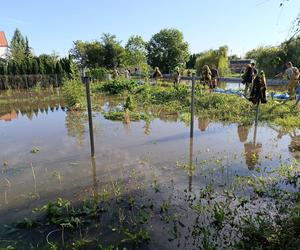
<point x="3" y="45"/>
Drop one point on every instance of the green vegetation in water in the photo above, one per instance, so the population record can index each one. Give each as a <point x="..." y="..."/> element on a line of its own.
<point x="74" y="93"/>
<point x="260" y="211"/>
<point x="124" y="116"/>
<point x="215" y="106"/>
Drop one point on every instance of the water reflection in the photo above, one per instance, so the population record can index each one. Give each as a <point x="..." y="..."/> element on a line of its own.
<point x="243" y="132"/>
<point x="75" y="124"/>
<point x="29" y="104"/>
<point x="203" y="123"/>
<point x="191" y="166"/>
<point x="252" y="150"/>
<point x="8" y="117"/>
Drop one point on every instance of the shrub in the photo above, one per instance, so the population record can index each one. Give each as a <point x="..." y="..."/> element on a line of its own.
<point x="118" y="86"/>
<point x="73" y="93"/>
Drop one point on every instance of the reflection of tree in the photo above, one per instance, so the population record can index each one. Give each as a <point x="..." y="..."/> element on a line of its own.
<point x="243" y="132"/>
<point x="127" y="121"/>
<point x="75" y="124"/>
<point x="147" y="127"/>
<point x="203" y="123"/>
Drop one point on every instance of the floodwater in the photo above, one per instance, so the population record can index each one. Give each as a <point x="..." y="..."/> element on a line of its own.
<point x="45" y="152"/>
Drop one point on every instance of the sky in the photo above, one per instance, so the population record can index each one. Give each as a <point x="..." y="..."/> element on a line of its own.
<point x="53" y="25"/>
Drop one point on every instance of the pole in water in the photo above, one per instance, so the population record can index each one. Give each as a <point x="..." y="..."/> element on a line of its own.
<point x="257" y="111"/>
<point x="191" y="163"/>
<point x="89" y="109"/>
<point x="192" y="107"/>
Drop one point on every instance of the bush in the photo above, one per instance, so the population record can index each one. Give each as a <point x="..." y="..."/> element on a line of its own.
<point x="98" y="74"/>
<point x="118" y="86"/>
<point x="73" y="92"/>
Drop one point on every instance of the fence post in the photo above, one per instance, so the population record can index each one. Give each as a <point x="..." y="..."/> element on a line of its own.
<point x="89" y="108"/>
<point x="190" y="174"/>
<point x="192" y="106"/>
<point x="257" y="111"/>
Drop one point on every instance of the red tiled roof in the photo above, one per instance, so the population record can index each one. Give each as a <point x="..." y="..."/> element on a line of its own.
<point x="3" y="41"/>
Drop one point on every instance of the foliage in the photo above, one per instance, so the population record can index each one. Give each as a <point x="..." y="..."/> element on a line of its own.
<point x="18" y="46"/>
<point x="217" y="58"/>
<point x="190" y="64"/>
<point x="73" y="93"/>
<point x="115" y="87"/>
<point x="130" y="103"/>
<point x="269" y="59"/>
<point x="136" y="53"/>
<point x="97" y="73"/>
<point x="106" y="53"/>
<point x="167" y="50"/>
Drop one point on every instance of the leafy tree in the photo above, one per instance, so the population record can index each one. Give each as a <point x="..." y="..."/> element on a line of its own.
<point x="136" y="51"/>
<point x="87" y="54"/>
<point x="269" y="59"/>
<point x="217" y="58"/>
<point x="223" y="63"/>
<point x="167" y="50"/>
<point x="192" y="61"/>
<point x="18" y="46"/>
<point x="27" y="48"/>
<point x="113" y="52"/>
<point x="78" y="53"/>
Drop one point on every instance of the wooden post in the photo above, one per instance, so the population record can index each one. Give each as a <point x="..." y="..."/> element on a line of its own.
<point x="192" y="106"/>
<point x="89" y="108"/>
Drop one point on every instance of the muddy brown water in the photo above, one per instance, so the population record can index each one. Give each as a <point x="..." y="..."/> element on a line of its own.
<point x="61" y="167"/>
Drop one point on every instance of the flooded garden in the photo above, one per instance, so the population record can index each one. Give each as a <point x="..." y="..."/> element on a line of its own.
<point x="150" y="185"/>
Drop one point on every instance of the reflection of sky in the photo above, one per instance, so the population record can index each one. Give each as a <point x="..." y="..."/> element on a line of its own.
<point x="62" y="166"/>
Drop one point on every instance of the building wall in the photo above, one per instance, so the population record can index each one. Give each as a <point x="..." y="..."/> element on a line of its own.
<point x="3" y="52"/>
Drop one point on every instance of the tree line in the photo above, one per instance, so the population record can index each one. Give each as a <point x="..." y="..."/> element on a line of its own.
<point x="21" y="60"/>
<point x="166" y="49"/>
<point x="272" y="59"/>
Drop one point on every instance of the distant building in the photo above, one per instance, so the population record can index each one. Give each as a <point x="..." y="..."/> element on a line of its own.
<point x="3" y="45"/>
<point x="237" y="65"/>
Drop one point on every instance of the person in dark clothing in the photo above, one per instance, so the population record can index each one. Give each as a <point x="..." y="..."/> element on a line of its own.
<point x="247" y="79"/>
<point x="176" y="78"/>
<point x="214" y="77"/>
<point x="255" y="72"/>
<point x="258" y="92"/>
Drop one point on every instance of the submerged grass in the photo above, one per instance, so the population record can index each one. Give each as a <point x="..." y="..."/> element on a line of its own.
<point x="260" y="211"/>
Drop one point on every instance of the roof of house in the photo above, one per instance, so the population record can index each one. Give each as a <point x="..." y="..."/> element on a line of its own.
<point x="3" y="41"/>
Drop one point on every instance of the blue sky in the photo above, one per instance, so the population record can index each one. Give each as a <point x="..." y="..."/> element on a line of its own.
<point x="52" y="25"/>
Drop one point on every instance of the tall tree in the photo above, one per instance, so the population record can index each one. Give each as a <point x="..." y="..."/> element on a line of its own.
<point x="27" y="48"/>
<point x="136" y="51"/>
<point x="167" y="50"/>
<point x="18" y="46"/>
<point x="113" y="52"/>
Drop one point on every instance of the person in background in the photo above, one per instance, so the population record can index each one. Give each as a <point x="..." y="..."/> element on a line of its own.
<point x="127" y="74"/>
<point x="115" y="73"/>
<point x="255" y="72"/>
<point x="189" y="73"/>
<point x="292" y="74"/>
<point x="214" y="77"/>
<point x="157" y="74"/>
<point x="247" y="79"/>
<point x="206" y="75"/>
<point x="176" y="78"/>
